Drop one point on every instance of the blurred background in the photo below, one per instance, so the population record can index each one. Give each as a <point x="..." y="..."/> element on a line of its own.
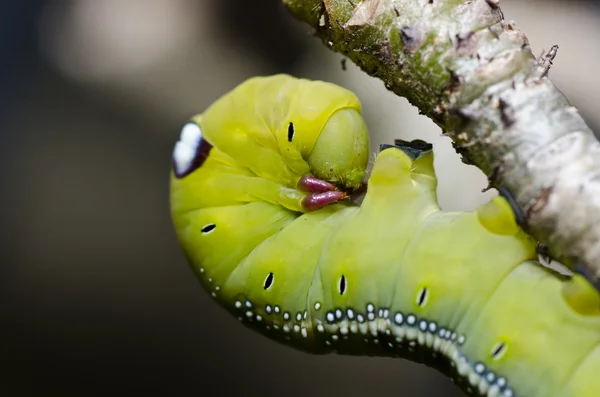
<point x="96" y="296"/>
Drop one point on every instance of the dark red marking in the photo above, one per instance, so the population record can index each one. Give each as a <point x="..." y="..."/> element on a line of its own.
<point x="312" y="184"/>
<point x="316" y="201"/>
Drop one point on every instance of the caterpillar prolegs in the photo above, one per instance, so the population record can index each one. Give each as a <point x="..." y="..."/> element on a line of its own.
<point x="259" y="203"/>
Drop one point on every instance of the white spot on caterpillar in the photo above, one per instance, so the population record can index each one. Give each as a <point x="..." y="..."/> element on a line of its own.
<point x="276" y="309"/>
<point x="479" y="368"/>
<point x="350" y="314"/>
<point x="398" y="318"/>
<point x="299" y="316"/>
<point x="238" y="304"/>
<point x="317" y="306"/>
<point x="320" y="328"/>
<point x="286" y="315"/>
<point x="186" y="148"/>
<point x="304" y="333"/>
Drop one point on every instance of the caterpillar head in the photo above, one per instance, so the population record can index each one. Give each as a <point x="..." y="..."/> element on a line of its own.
<point x="341" y="152"/>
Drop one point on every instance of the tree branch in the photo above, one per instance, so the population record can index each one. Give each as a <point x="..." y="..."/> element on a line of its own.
<point x="475" y="76"/>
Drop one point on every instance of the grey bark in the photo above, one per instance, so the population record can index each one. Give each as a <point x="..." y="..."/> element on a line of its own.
<point x="475" y="76"/>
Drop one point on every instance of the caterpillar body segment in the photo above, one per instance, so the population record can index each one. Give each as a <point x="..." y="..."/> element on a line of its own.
<point x="396" y="276"/>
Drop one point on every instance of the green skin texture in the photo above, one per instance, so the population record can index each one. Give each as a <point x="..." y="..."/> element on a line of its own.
<point x="287" y="274"/>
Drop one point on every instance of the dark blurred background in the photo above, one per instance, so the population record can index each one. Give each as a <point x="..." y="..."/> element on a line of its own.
<point x="96" y="296"/>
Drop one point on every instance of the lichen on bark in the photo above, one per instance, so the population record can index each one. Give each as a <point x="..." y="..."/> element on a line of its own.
<point x="462" y="65"/>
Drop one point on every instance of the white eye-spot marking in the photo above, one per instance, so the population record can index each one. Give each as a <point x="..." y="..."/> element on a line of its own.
<point x="298" y="316"/>
<point x="290" y="132"/>
<point x="320" y="328"/>
<point x="248" y="304"/>
<point x="304" y="333"/>
<point x="339" y="314"/>
<point x="370" y="307"/>
<point x="317" y="306"/>
<point x="498" y="350"/>
<point x="342" y="285"/>
<point x="286" y="315"/>
<point x="276" y="309"/>
<point x="411" y="320"/>
<point x="461" y="339"/>
<point x="268" y="281"/>
<point x="423" y="296"/>
<point x="238" y="304"/>
<point x="268" y="309"/>
<point x="208" y="228"/>
<point x="330" y="317"/>
<point x="186" y="149"/>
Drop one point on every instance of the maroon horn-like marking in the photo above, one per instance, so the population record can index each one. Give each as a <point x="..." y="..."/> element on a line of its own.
<point x="312" y="184"/>
<point x="316" y="201"/>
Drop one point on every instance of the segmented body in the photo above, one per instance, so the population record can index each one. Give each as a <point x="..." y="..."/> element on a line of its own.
<point x="395" y="276"/>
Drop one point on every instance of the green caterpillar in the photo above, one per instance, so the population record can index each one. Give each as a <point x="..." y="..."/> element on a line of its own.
<point x="259" y="192"/>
